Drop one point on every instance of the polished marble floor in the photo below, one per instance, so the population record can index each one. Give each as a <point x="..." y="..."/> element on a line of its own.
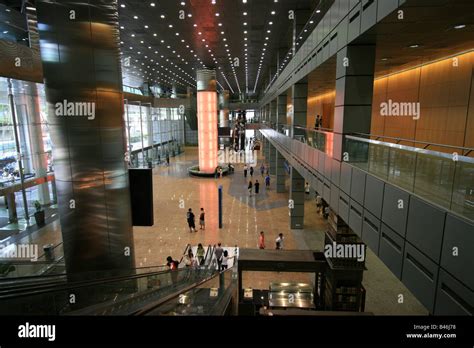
<point x="244" y="216"/>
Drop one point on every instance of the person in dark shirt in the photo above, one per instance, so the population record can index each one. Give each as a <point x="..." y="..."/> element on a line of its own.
<point x="190" y="218"/>
<point x="202" y="224"/>
<point x="257" y="187"/>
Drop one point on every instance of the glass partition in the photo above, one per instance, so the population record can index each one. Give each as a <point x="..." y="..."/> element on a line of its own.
<point x="25" y="137"/>
<point x="442" y="178"/>
<point x="153" y="133"/>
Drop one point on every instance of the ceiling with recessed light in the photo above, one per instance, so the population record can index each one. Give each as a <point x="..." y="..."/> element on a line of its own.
<point x="163" y="42"/>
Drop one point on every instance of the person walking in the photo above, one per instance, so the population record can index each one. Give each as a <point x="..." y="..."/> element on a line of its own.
<point x="245" y="171"/>
<point x="261" y="240"/>
<point x="218" y="252"/>
<point x="167" y="159"/>
<point x="251" y="171"/>
<point x="250" y="187"/>
<point x="262" y="169"/>
<point x="202" y="223"/>
<point x="190" y="218"/>
<point x="225" y="260"/>
<point x="257" y="187"/>
<point x="220" y="172"/>
<point x="200" y="254"/>
<point x="279" y="242"/>
<point x="267" y="181"/>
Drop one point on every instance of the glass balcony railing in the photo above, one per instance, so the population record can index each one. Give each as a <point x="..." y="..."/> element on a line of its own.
<point x="446" y="179"/>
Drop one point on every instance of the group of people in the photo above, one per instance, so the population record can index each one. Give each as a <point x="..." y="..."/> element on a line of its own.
<point x="190" y="217"/>
<point x="278" y="241"/>
<point x="264" y="171"/>
<point x="322" y="206"/>
<point x="194" y="262"/>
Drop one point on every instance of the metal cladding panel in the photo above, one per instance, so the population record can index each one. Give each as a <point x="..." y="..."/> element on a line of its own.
<point x="81" y="64"/>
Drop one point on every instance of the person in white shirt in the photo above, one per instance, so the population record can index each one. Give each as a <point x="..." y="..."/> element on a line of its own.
<point x="225" y="260"/>
<point x="279" y="242"/>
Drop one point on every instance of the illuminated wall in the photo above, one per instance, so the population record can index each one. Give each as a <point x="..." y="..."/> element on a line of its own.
<point x="207" y="130"/>
<point x="445" y="91"/>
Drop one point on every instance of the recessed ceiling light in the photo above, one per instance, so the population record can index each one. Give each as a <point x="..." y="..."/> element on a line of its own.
<point x="152" y="4"/>
<point x="135" y="17"/>
<point x="146" y="26"/>
<point x="195" y="25"/>
<point x="155" y="34"/>
<point x="414" y="46"/>
<point x="122" y="5"/>
<point x="273" y="13"/>
<point x="220" y="24"/>
<point x="162" y="16"/>
<point x="171" y="25"/>
<point x="183" y="3"/>
<point x="460" y="26"/>
<point x="318" y="11"/>
<point x="217" y="14"/>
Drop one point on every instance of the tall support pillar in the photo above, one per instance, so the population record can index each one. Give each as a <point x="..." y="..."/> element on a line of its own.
<point x="207" y="120"/>
<point x="354" y="90"/>
<point x="300" y="107"/>
<point x="281" y="110"/>
<point x="81" y="67"/>
<point x="272" y="159"/>
<point x="297" y="197"/>
<point x="273" y="112"/>
<point x="280" y="172"/>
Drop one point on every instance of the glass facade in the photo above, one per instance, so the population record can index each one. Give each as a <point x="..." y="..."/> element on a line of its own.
<point x="28" y="125"/>
<point x="152" y="134"/>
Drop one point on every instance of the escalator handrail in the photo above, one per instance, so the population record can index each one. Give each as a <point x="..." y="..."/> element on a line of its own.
<point x="81" y="284"/>
<point x="210" y="249"/>
<point x="39" y="277"/>
<point x="151" y="306"/>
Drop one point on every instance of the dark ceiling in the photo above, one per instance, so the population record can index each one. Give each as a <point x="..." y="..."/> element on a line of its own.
<point x="165" y="46"/>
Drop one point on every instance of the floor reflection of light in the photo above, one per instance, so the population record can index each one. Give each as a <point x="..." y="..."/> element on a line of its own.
<point x="208" y="199"/>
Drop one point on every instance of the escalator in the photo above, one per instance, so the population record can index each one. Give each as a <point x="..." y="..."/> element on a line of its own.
<point x="122" y="293"/>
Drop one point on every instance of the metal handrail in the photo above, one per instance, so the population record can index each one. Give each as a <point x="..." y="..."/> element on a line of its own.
<point x="85" y="283"/>
<point x="148" y="308"/>
<point x="427" y="144"/>
<point x="412" y="149"/>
